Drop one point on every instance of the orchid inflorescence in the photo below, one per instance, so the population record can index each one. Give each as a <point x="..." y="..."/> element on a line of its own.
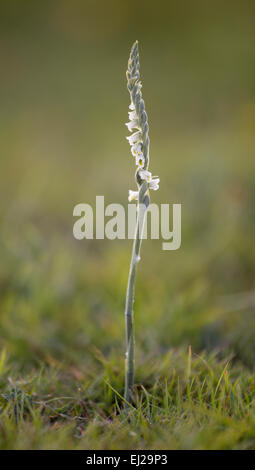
<point x="138" y="120"/>
<point x="139" y="142"/>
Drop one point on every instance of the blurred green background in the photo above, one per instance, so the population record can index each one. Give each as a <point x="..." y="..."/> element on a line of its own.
<point x="63" y="107"/>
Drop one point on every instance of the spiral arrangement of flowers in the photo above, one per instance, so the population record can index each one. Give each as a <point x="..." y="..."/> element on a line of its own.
<point x="138" y="121"/>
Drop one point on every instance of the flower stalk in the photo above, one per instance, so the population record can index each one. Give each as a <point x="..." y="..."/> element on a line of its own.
<point x="140" y="143"/>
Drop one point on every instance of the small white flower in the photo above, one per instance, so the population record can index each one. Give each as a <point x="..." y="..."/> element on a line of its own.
<point x="154" y="184"/>
<point x="136" y="149"/>
<point x="132" y="115"/>
<point x="139" y="160"/>
<point x="146" y="175"/>
<point x="132" y="106"/>
<point x="134" y="138"/>
<point x="152" y="180"/>
<point x="133" y="195"/>
<point x="132" y="124"/>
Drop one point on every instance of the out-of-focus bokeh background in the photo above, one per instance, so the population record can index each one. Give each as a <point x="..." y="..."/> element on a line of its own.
<point x="63" y="108"/>
<point x="64" y="103"/>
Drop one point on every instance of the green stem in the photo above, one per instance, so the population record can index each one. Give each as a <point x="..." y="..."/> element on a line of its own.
<point x="130" y="336"/>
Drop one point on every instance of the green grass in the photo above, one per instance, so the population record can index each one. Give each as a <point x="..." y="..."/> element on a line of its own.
<point x="182" y="401"/>
<point x="63" y="107"/>
<point x="62" y="360"/>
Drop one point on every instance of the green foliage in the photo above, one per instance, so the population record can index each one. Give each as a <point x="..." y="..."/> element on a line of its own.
<point x="62" y="114"/>
<point x="182" y="401"/>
